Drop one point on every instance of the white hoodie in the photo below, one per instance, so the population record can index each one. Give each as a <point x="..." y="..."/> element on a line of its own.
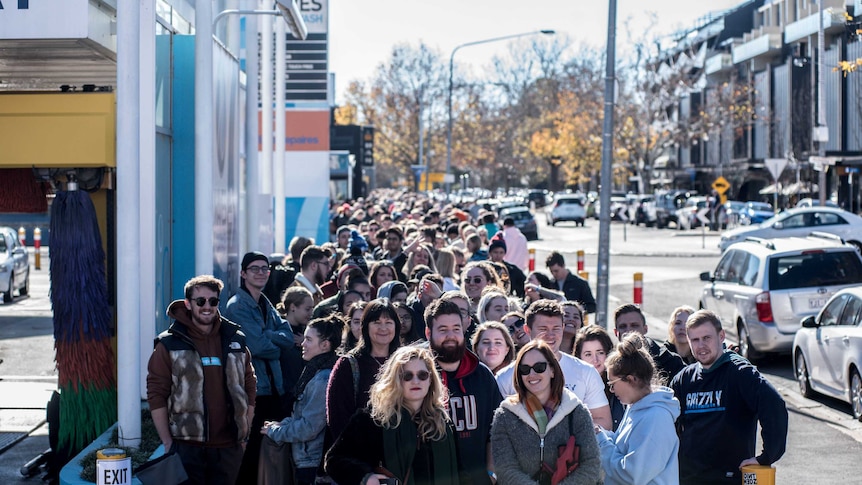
<point x="644" y="448"/>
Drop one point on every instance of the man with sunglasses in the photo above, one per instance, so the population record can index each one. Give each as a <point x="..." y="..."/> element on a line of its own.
<point x="262" y="326"/>
<point x="545" y="322"/>
<point x="473" y="393"/>
<point x="201" y="385"/>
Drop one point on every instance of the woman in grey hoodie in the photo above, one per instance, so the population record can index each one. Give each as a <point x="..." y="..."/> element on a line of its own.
<point x="532" y="427"/>
<point x="644" y="448"/>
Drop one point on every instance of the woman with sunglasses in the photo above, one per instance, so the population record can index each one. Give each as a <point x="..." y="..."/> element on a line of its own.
<point x="493" y="345"/>
<point x="354" y="373"/>
<point x="514" y="323"/>
<point x="305" y="428"/>
<point x="405" y="432"/>
<point x="592" y="345"/>
<point x="644" y="448"/>
<point x="476" y="276"/>
<point x="532" y="428"/>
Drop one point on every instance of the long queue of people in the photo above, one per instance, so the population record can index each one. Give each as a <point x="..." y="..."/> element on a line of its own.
<point x="415" y="349"/>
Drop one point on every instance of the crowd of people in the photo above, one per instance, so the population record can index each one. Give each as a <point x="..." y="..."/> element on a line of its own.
<point x="418" y="348"/>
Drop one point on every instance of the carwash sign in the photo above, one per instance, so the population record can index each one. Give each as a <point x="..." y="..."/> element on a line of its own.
<point x="307" y="66"/>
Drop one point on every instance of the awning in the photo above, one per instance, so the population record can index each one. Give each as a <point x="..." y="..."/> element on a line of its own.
<point x="770" y="189"/>
<point x="800" y="188"/>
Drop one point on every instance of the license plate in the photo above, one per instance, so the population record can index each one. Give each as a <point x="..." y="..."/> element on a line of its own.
<point x="816" y="303"/>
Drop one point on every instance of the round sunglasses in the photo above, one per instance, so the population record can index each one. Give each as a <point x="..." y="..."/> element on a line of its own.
<point x="408" y="376"/>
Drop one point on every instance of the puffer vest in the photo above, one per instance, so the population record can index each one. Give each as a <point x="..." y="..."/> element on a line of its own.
<point x="187" y="411"/>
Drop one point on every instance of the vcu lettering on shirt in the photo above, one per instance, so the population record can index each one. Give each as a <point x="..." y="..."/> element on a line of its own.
<point x="462" y="410"/>
<point x="703" y="402"/>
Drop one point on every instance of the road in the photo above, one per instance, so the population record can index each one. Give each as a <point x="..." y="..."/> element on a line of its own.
<point x="824" y="440"/>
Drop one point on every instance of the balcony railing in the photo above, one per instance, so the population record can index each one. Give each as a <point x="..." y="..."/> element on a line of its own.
<point x="718" y="63"/>
<point x="762" y="41"/>
<point x="833" y="19"/>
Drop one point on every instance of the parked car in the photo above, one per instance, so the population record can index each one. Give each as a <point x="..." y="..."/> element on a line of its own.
<point x="800" y="222"/>
<point x="755" y="213"/>
<point x="667" y="203"/>
<point x="568" y="208"/>
<point x="762" y="288"/>
<point x="729" y="214"/>
<point x="540" y="197"/>
<point x="687" y="216"/>
<point x="524" y="221"/>
<point x="809" y="202"/>
<point x="642" y="206"/>
<point x="827" y="350"/>
<point x="14" y="265"/>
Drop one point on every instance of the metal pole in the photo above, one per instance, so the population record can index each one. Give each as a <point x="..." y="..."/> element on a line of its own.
<point x="128" y="200"/>
<point x="278" y="170"/>
<point x="204" y="100"/>
<point x="821" y="102"/>
<point x="266" y="129"/>
<point x="607" y="160"/>
<point x="252" y="132"/>
<point x="421" y="147"/>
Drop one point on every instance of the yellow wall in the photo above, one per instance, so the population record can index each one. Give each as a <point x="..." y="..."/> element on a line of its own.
<point x="55" y="130"/>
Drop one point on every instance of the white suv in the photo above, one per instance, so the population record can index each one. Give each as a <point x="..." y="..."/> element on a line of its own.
<point x="568" y="208"/>
<point x="762" y="288"/>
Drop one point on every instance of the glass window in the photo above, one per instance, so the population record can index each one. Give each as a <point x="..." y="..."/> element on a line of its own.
<point x="832" y="311"/>
<point x="722" y="271"/>
<point x="797" y="220"/>
<point x="815" y="269"/>
<point x="827" y="219"/>
<point x="748" y="274"/>
<point x="851" y="311"/>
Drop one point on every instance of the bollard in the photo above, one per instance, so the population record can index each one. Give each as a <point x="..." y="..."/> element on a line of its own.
<point x="113" y="467"/>
<point x="37" y="245"/>
<point x="531" y="264"/>
<point x="580" y="260"/>
<point x="586" y="276"/>
<point x="22" y="236"/>
<point x="638" y="297"/>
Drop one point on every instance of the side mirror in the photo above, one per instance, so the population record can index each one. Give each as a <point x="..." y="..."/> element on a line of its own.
<point x="778" y="225"/>
<point x="705" y="276"/>
<point x="809" y="322"/>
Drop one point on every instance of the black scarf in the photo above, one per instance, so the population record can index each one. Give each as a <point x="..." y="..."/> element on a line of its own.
<point x="317" y="363"/>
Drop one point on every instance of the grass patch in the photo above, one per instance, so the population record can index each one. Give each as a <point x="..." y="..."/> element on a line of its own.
<point x="149" y="442"/>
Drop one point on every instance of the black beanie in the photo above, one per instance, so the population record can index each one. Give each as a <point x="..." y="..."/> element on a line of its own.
<point x="252" y="257"/>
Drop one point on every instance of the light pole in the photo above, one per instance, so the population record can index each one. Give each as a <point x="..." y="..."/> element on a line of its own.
<point x="451" y="69"/>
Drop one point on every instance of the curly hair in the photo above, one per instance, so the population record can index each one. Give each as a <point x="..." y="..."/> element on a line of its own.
<point x="387" y="395"/>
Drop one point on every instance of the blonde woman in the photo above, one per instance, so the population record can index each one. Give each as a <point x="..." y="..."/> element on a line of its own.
<point x="446" y="268"/>
<point x="677" y="340"/>
<point x="405" y="433"/>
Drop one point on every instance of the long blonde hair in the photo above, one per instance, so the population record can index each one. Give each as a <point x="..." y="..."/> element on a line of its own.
<point x="387" y="395"/>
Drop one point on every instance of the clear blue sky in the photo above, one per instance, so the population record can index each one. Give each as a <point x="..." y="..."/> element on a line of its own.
<point x="362" y="32"/>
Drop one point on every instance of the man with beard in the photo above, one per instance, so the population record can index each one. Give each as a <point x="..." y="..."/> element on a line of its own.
<point x="473" y="392"/>
<point x="315" y="265"/>
<point x="201" y="386"/>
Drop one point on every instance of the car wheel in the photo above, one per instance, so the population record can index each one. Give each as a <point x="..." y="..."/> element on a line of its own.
<point x="856" y="393"/>
<point x="25" y="290"/>
<point x="802" y="375"/>
<point x="7" y="296"/>
<point x="745" y="348"/>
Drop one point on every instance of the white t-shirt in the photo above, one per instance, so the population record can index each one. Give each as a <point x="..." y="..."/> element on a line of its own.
<point x="581" y="378"/>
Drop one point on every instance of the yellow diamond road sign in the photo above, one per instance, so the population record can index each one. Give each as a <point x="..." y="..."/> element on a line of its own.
<point x="721" y="185"/>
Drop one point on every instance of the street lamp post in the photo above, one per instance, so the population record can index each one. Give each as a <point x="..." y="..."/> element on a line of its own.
<point x="451" y="69"/>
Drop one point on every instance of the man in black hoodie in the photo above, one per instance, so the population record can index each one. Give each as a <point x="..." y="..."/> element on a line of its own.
<point x="722" y="398"/>
<point x="473" y="391"/>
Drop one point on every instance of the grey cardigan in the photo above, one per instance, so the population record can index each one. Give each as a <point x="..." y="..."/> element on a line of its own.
<point x="517" y="446"/>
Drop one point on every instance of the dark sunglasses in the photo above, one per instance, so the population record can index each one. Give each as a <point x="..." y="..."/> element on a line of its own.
<point x="519" y="324"/>
<point x="539" y="367"/>
<point x="423" y="375"/>
<point x="201" y="301"/>
<point x="476" y="280"/>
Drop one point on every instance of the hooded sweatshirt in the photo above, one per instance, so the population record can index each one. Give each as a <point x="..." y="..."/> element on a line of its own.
<point x="644" y="448"/>
<point x="473" y="397"/>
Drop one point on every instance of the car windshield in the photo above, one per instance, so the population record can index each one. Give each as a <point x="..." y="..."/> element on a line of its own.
<point x="815" y="269"/>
